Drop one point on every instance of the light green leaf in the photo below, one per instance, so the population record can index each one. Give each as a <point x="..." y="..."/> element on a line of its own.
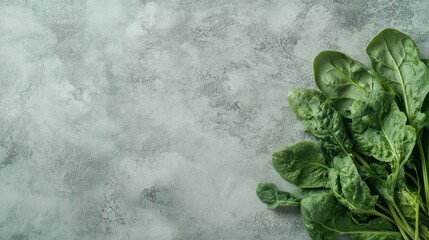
<point x="324" y="219"/>
<point x="302" y="164"/>
<point x="342" y="79"/>
<point x="395" y="57"/>
<point x="348" y="187"/>
<point x="321" y="120"/>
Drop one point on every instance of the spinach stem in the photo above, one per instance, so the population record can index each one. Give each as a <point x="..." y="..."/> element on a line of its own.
<point x="398" y="221"/>
<point x="424" y="168"/>
<point x="404" y="234"/>
<point x="376" y="213"/>
<point x="416" y="228"/>
<point x="385" y="210"/>
<point x="398" y="210"/>
<point x="361" y="160"/>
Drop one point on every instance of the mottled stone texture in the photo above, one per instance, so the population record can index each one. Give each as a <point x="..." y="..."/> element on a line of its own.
<point x="156" y="120"/>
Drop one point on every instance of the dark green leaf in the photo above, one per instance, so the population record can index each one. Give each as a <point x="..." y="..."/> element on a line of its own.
<point x="383" y="224"/>
<point x="379" y="128"/>
<point x="321" y="120"/>
<point x="378" y="177"/>
<point x="342" y="79"/>
<point x="269" y="194"/>
<point x="426" y="62"/>
<point x="407" y="200"/>
<point x="424" y="231"/>
<point x="302" y="193"/>
<point x="302" y="164"/>
<point x="324" y="219"/>
<point x="425" y="106"/>
<point x="395" y="57"/>
<point x="348" y="187"/>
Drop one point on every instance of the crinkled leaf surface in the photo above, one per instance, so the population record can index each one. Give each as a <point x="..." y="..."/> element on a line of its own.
<point x="342" y="79"/>
<point x="302" y="164"/>
<point x="324" y="219"/>
<point x="321" y="120"/>
<point x="395" y="57"/>
<point x="379" y="128"/>
<point x="407" y="200"/>
<point x="348" y="187"/>
<point x="379" y="178"/>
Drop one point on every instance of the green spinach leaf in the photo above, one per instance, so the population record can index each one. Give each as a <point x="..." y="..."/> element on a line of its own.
<point x="379" y="128"/>
<point x="395" y="57"/>
<point x="368" y="177"/>
<point x="324" y="218"/>
<point x="408" y="201"/>
<point x="302" y="193"/>
<point x="302" y="164"/>
<point x="348" y="187"/>
<point x="269" y="194"/>
<point x="343" y="79"/>
<point x="321" y="120"/>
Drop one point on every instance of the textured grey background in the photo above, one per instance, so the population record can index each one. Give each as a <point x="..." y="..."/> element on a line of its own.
<point x="156" y="120"/>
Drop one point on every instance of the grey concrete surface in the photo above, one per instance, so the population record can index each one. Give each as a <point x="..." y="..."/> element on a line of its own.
<point x="156" y="119"/>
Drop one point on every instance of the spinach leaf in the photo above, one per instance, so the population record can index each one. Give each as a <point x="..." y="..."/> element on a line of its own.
<point x="424" y="231"/>
<point x="408" y="201"/>
<point x="321" y="120"/>
<point x="379" y="128"/>
<point x="324" y="218"/>
<point x="302" y="164"/>
<point x="348" y="187"/>
<point x="426" y="62"/>
<point x="342" y="79"/>
<point x="395" y="57"/>
<point x="368" y="177"/>
<point x="377" y="229"/>
<point x="378" y="177"/>
<point x="425" y="105"/>
<point x="302" y="193"/>
<point x="269" y="194"/>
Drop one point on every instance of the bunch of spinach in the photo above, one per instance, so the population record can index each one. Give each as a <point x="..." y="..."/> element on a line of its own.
<point x="367" y="176"/>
